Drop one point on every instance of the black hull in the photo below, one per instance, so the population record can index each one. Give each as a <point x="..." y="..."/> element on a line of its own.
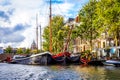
<point x="47" y="59"/>
<point x="67" y="60"/>
<point x="21" y="61"/>
<point x="96" y="63"/>
<point x="44" y="59"/>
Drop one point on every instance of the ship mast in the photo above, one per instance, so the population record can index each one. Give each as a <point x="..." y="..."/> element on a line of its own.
<point x="37" y="32"/>
<point x="40" y="38"/>
<point x="50" y="28"/>
<point x="68" y="39"/>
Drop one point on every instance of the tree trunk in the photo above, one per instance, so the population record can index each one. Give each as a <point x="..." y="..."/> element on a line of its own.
<point x="116" y="41"/>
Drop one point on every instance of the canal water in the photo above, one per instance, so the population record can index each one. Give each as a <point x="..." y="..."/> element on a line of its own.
<point x="57" y="72"/>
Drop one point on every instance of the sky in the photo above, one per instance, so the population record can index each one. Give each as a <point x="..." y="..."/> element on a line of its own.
<point x="18" y="18"/>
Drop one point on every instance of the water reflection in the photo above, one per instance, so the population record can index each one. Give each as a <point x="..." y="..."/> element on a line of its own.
<point x="92" y="72"/>
<point x="57" y="72"/>
<point x="98" y="73"/>
<point x="112" y="73"/>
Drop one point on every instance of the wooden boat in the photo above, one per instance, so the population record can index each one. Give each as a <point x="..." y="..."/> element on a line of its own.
<point x="92" y="62"/>
<point x="75" y="59"/>
<point x="112" y="62"/>
<point x="44" y="58"/>
<point x="66" y="58"/>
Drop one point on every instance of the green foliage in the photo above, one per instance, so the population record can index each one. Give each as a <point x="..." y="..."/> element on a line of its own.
<point x="20" y="51"/>
<point x="96" y="17"/>
<point x="58" y="34"/>
<point x="27" y="51"/>
<point x="108" y="11"/>
<point x="9" y="49"/>
<point x="88" y="29"/>
<point x="100" y="16"/>
<point x="34" y="51"/>
<point x="46" y="39"/>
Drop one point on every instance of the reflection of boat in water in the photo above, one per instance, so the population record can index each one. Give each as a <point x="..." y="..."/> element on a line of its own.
<point x="96" y="62"/>
<point x="112" y="62"/>
<point x="40" y="58"/>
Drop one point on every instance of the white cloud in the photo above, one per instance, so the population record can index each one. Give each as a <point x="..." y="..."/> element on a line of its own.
<point x="24" y="12"/>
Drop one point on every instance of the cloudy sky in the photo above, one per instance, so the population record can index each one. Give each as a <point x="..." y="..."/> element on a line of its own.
<point x="18" y="18"/>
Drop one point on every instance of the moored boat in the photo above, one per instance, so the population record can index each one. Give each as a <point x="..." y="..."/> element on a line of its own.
<point x="93" y="62"/>
<point x="66" y="58"/>
<point x="112" y="62"/>
<point x="44" y="58"/>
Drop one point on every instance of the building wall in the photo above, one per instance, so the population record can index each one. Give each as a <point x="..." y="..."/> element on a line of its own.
<point x="80" y="45"/>
<point x="102" y="42"/>
<point x="4" y="56"/>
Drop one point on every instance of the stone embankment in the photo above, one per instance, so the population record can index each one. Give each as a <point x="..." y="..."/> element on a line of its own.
<point x="4" y="56"/>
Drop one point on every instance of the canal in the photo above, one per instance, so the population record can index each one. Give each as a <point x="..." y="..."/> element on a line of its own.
<point x="57" y="72"/>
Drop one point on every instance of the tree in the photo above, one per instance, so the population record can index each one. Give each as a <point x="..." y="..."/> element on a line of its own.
<point x="109" y="14"/>
<point x="46" y="39"/>
<point x="58" y="34"/>
<point x="27" y="51"/>
<point x="9" y="49"/>
<point x="34" y="51"/>
<point x="88" y="30"/>
<point x="19" y="51"/>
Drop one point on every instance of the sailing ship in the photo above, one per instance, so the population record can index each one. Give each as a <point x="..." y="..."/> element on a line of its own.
<point x="46" y="58"/>
<point x="65" y="57"/>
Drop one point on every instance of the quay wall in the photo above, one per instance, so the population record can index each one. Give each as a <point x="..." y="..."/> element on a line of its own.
<point x="4" y="56"/>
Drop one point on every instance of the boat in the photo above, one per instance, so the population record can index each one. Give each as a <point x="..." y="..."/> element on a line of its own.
<point x="91" y="61"/>
<point x="112" y="62"/>
<point x="44" y="58"/>
<point x="47" y="58"/>
<point x="66" y="58"/>
<point x="20" y="59"/>
<point x="75" y="59"/>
